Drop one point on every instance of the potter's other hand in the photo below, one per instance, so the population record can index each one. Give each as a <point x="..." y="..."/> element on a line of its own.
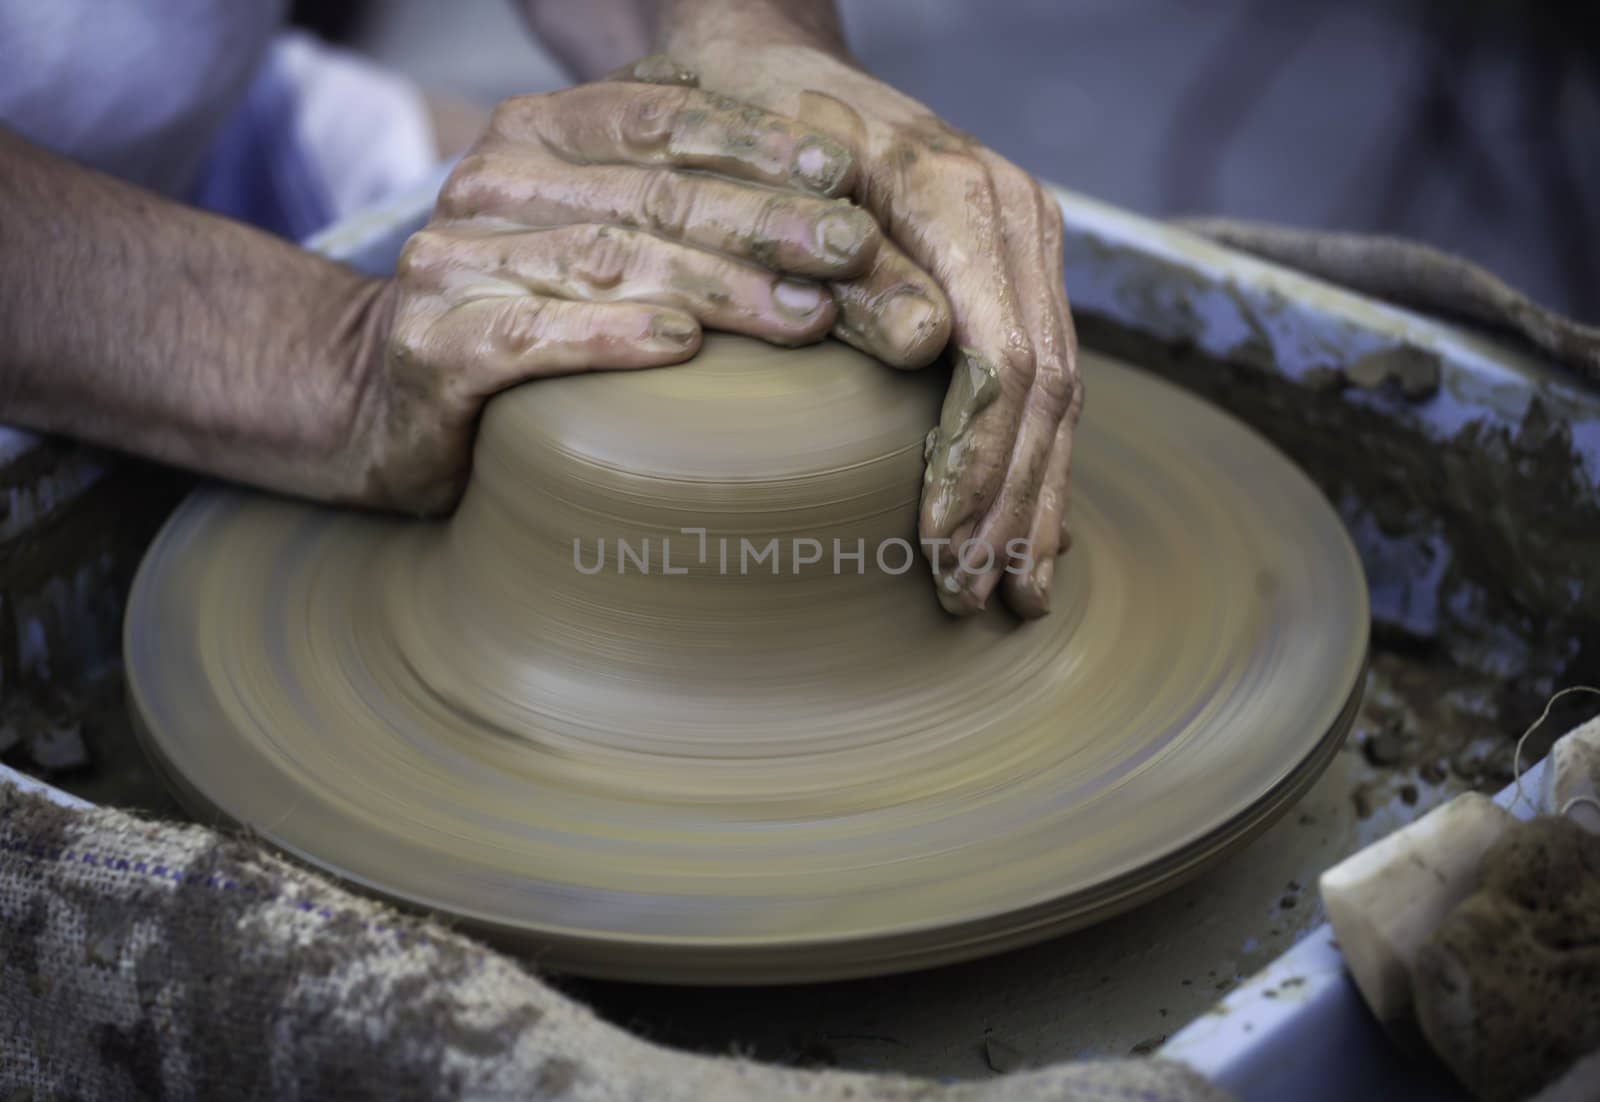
<point x="999" y="462"/>
<point x="599" y="228"/>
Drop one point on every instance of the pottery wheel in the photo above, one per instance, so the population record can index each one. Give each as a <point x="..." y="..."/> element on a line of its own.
<point x="685" y="771"/>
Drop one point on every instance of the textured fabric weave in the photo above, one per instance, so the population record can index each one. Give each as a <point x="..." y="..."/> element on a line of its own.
<point x="1417" y="276"/>
<point x="150" y="960"/>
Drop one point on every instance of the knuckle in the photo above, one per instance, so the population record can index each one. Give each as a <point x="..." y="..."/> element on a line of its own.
<point x="422" y="255"/>
<point x="1017" y="361"/>
<point x="606" y="256"/>
<point x="772" y="212"/>
<point x="407" y="339"/>
<point x="515" y="117"/>
<point x="518" y="326"/>
<point x="463" y="192"/>
<point x="665" y="202"/>
<point x="1054" y="385"/>
<point x="650" y="115"/>
<point x="408" y="346"/>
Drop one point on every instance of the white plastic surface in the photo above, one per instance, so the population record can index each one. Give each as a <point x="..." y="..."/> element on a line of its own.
<point x="1298" y="1028"/>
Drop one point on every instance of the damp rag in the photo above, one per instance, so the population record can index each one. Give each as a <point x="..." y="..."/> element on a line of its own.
<point x="1416" y="276"/>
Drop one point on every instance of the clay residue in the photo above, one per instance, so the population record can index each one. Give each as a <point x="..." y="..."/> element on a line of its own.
<point x="974" y="386"/>
<point x="1429" y="729"/>
<point x="1412" y="371"/>
<point x="112" y="770"/>
<point x="1501" y="517"/>
<point x="64" y="578"/>
<point x="697" y="286"/>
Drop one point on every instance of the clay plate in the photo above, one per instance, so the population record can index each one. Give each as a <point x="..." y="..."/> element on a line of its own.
<point x="705" y="777"/>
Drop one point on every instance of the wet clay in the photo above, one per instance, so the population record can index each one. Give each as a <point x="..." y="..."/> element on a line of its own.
<point x="1504" y="515"/>
<point x="974" y="386"/>
<point x="669" y="696"/>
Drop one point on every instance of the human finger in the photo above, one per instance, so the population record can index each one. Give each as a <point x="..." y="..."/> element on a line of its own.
<point x="959" y="241"/>
<point x="894" y="312"/>
<point x="680" y="127"/>
<point x="782" y="230"/>
<point x="1027" y="590"/>
<point x="611" y="264"/>
<point x="483" y="345"/>
<point x="1032" y="236"/>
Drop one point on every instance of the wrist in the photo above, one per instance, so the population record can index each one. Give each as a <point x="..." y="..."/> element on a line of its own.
<point x="686" y="28"/>
<point x="365" y="322"/>
<point x="355" y="337"/>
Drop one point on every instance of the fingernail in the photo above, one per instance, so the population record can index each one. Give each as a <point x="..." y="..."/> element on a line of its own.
<point x="956" y="593"/>
<point x="947" y="585"/>
<point x="821" y="164"/>
<point x="905" y="321"/>
<point x="950" y="581"/>
<point x="673" y="328"/>
<point x="1043" y="574"/>
<point x="797" y="297"/>
<point x="840" y="234"/>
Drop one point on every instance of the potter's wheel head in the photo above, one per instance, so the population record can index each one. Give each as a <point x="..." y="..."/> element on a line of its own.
<point x="694" y="764"/>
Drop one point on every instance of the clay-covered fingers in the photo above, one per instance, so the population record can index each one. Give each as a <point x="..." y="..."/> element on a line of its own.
<point x="613" y="264"/>
<point x="895" y="312"/>
<point x="474" y="347"/>
<point x="1027" y="587"/>
<point x="1028" y="591"/>
<point x="954" y="228"/>
<point x="1026" y="513"/>
<point x="681" y="127"/>
<point x="786" y="231"/>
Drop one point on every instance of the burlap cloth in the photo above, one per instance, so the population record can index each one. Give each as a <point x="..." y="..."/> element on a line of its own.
<point x="152" y="960"/>
<point x="1417" y="276"/>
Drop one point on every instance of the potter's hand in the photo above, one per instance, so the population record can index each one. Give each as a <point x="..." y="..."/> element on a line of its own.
<point x="999" y="463"/>
<point x="601" y="227"/>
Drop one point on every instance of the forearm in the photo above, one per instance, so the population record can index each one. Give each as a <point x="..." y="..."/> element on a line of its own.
<point x="813" y="23"/>
<point x="140" y="324"/>
<point x="594" y="37"/>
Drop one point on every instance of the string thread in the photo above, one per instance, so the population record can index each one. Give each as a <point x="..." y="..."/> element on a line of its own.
<point x="1516" y="754"/>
